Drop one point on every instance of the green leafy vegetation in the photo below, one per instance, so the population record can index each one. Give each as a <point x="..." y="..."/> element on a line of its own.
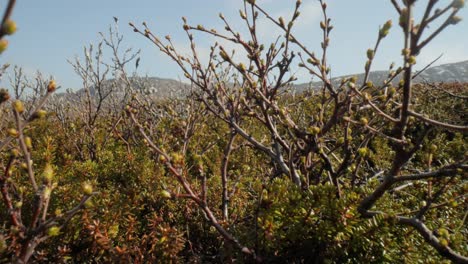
<point x="241" y="169"/>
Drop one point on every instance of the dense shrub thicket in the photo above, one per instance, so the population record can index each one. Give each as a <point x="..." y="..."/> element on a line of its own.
<point x="241" y="169"/>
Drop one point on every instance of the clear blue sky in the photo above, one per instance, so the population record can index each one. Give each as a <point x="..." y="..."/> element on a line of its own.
<point x="52" y="31"/>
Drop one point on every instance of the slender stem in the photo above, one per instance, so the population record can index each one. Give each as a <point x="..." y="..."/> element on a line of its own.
<point x="224" y="176"/>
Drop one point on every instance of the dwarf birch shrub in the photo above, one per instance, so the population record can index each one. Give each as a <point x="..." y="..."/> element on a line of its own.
<point x="359" y="136"/>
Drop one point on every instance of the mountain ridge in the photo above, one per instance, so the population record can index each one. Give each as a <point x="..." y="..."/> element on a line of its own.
<point x="448" y="72"/>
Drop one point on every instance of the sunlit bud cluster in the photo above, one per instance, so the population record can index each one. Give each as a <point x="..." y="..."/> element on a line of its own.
<point x="3" y="45"/>
<point x="458" y="3"/>
<point x="53" y="231"/>
<point x="455" y="20"/>
<point x="385" y="29"/>
<point x="87" y="188"/>
<point x="52" y="86"/>
<point x="18" y="106"/>
<point x="9" y="27"/>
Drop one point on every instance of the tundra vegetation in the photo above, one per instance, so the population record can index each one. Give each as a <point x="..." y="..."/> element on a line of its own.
<point x="239" y="168"/>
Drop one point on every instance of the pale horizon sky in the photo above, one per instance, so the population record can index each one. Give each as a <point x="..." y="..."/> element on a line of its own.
<point x="50" y="32"/>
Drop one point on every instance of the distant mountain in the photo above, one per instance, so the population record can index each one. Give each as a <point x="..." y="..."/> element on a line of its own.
<point x="154" y="86"/>
<point x="450" y="72"/>
<point x="164" y="88"/>
<point x="160" y="86"/>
